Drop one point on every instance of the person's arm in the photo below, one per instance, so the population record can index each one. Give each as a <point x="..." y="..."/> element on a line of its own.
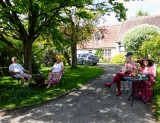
<point x="132" y="68"/>
<point x="26" y="71"/>
<point x="52" y="68"/>
<point x="62" y="67"/>
<point x="123" y="67"/>
<point x="155" y="70"/>
<point x="152" y="71"/>
<point x="151" y="75"/>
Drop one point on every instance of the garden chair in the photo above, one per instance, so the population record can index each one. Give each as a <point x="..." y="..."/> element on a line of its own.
<point x="124" y="86"/>
<point x="63" y="79"/>
<point x="13" y="78"/>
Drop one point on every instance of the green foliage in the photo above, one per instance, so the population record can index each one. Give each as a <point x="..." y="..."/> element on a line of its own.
<point x="152" y="48"/>
<point x="134" y="38"/>
<point x="13" y="96"/>
<point x="25" y="20"/>
<point x="36" y="65"/>
<point x="141" y="13"/>
<point x="118" y="59"/>
<point x="99" y="53"/>
<point x="157" y="96"/>
<point x="6" y="54"/>
<point x="62" y="58"/>
<point x="105" y="60"/>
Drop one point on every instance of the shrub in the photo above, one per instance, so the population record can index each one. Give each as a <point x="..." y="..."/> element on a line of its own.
<point x="36" y="65"/>
<point x="99" y="53"/>
<point x="118" y="59"/>
<point x="105" y="60"/>
<point x="134" y="38"/>
<point x="152" y="48"/>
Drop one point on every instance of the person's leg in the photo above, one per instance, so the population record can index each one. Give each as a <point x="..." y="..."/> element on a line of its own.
<point x="147" y="91"/>
<point x="49" y="79"/>
<point x="49" y="85"/>
<point x="19" y="76"/>
<point x="28" y="76"/>
<point x="117" y="79"/>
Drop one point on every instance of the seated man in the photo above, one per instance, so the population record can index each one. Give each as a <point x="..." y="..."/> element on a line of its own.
<point x="19" y="72"/>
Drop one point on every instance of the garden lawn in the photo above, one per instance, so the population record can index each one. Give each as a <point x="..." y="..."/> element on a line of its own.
<point x="157" y="95"/>
<point x="14" y="96"/>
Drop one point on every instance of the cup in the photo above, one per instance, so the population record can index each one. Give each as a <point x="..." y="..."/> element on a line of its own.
<point x="140" y="76"/>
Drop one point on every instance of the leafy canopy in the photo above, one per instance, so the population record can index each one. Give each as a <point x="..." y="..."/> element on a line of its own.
<point x="152" y="48"/>
<point x="25" y="20"/>
<point x="134" y="38"/>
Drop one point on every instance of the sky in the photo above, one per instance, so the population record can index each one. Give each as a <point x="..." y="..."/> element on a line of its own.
<point x="152" y="7"/>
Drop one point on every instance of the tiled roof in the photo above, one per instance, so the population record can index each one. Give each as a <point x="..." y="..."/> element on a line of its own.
<point x="129" y="24"/>
<point x="109" y="37"/>
<point x="115" y="33"/>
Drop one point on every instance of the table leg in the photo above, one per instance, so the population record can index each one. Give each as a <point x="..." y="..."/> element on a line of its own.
<point x="134" y="90"/>
<point x="132" y="95"/>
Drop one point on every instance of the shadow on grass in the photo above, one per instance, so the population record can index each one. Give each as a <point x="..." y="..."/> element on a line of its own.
<point x="13" y="96"/>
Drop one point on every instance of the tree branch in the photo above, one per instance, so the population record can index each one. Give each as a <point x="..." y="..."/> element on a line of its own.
<point x="4" y="40"/>
<point x="33" y="15"/>
<point x="48" y="20"/>
<point x="13" y="18"/>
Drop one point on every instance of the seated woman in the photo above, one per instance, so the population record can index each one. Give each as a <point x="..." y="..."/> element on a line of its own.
<point x="127" y="70"/>
<point x="145" y="88"/>
<point x="56" y="72"/>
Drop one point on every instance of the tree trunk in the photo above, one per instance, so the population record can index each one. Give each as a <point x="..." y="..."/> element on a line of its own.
<point x="67" y="57"/>
<point x="74" y="54"/>
<point x="28" y="55"/>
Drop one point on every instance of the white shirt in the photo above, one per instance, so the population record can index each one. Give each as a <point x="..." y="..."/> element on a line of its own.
<point x="16" y="68"/>
<point x="57" y="67"/>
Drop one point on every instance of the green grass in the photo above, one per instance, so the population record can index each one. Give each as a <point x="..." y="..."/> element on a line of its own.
<point x="14" y="96"/>
<point x="157" y="95"/>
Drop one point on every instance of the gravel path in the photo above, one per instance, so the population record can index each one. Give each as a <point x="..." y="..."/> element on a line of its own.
<point x="92" y="103"/>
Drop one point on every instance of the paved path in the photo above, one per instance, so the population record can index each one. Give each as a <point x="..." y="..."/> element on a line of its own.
<point x="92" y="103"/>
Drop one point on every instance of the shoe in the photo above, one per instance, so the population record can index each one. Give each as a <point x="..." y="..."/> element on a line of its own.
<point x="48" y="86"/>
<point x="22" y="86"/>
<point x="118" y="93"/>
<point x="27" y="84"/>
<point x="107" y="84"/>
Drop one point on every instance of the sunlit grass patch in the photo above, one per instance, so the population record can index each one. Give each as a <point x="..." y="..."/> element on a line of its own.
<point x="13" y="96"/>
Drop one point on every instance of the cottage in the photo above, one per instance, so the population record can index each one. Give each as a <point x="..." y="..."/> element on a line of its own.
<point x="109" y="38"/>
<point x="103" y="38"/>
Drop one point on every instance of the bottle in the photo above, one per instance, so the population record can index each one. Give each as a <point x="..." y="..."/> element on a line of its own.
<point x="154" y="68"/>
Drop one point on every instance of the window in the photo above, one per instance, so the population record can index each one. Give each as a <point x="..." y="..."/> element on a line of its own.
<point x="90" y="51"/>
<point x="107" y="53"/>
<point x="97" y="36"/>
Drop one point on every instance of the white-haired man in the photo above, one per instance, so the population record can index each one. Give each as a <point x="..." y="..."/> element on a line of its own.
<point x="19" y="72"/>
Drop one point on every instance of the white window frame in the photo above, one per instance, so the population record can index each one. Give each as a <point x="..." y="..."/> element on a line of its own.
<point x="107" y="53"/>
<point x="97" y="36"/>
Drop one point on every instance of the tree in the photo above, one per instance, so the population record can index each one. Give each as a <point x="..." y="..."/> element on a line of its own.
<point x="134" y="38"/>
<point x="151" y="48"/>
<point x="25" y="20"/>
<point x="141" y="13"/>
<point x="78" y="29"/>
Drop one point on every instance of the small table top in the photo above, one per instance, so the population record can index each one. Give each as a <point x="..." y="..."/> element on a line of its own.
<point x="134" y="78"/>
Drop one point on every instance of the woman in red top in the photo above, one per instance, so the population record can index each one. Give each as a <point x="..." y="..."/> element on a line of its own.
<point x="144" y="90"/>
<point x="127" y="70"/>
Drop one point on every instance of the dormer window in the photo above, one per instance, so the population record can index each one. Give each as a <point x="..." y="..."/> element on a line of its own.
<point x="98" y="36"/>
